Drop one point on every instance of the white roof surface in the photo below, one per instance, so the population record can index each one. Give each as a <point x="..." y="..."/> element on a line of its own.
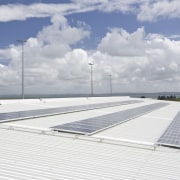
<point x="29" y="149"/>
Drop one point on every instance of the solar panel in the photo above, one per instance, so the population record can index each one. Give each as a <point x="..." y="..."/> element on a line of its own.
<point x="59" y="110"/>
<point x="96" y="124"/>
<point x="171" y="136"/>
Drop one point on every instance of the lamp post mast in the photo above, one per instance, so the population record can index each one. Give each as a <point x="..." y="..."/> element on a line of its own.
<point x="22" y="42"/>
<point x="91" y="64"/>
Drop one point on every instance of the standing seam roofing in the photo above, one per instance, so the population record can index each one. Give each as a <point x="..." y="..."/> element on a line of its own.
<point x="34" y="156"/>
<point x="27" y="155"/>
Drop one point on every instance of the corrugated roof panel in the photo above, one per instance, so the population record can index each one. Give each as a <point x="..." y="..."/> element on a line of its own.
<point x="147" y="128"/>
<point x="171" y="136"/>
<point x="96" y="124"/>
<point x="47" y="122"/>
<point x="36" y="156"/>
<point x="10" y="116"/>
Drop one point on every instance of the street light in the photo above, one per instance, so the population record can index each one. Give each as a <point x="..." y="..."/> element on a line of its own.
<point x="22" y="42"/>
<point x="110" y="83"/>
<point x="91" y="64"/>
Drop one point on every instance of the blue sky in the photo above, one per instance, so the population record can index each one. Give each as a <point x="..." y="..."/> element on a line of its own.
<point x="122" y="38"/>
<point x="98" y="21"/>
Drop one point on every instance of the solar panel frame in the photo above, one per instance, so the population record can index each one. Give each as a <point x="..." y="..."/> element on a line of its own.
<point x="171" y="136"/>
<point x="104" y="122"/>
<point x="19" y="115"/>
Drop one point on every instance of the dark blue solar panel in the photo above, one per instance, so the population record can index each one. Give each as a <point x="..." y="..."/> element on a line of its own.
<point x="171" y="136"/>
<point x="59" y="110"/>
<point x="95" y="124"/>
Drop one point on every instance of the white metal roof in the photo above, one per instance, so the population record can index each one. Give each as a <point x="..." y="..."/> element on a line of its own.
<point x="146" y="128"/>
<point x="25" y="155"/>
<point x="38" y="153"/>
<point x="49" y="121"/>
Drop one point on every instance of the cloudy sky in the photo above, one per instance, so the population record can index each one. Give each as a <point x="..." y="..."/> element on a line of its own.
<point x="136" y="41"/>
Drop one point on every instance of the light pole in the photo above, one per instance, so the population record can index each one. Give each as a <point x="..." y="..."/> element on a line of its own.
<point x="110" y="83"/>
<point x="91" y="64"/>
<point x="22" y="44"/>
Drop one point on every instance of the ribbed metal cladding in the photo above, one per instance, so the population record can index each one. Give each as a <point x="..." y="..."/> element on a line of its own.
<point x="60" y="110"/>
<point x="96" y="124"/>
<point x="27" y="156"/>
<point x="171" y="136"/>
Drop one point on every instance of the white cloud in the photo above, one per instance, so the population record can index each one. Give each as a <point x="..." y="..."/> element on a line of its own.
<point x="48" y="57"/>
<point x="137" y="62"/>
<point x="145" y="10"/>
<point x="152" y="10"/>
<point x="118" y="42"/>
<point x="12" y="12"/>
<point x="141" y="62"/>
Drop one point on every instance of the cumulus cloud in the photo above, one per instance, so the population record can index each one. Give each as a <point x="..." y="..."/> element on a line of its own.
<point x="140" y="61"/>
<point x="118" y="42"/>
<point x="153" y="10"/>
<point x="49" y="58"/>
<point x="137" y="61"/>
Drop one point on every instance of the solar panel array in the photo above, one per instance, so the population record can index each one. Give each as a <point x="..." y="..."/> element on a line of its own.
<point x="9" y="116"/>
<point x="96" y="124"/>
<point x="171" y="136"/>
